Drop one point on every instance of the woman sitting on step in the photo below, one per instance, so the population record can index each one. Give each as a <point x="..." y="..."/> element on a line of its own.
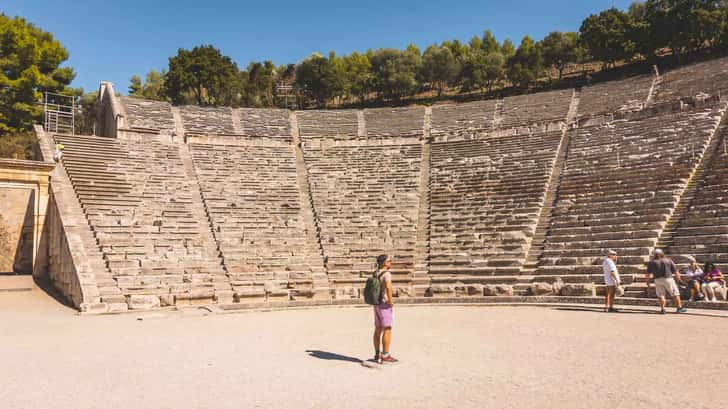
<point x="693" y="277"/>
<point x="713" y="281"/>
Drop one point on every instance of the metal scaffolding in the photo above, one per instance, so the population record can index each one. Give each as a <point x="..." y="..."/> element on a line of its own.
<point x="59" y="113"/>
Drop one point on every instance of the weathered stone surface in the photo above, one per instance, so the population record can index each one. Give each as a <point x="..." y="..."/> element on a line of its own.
<point x="497" y="290"/>
<point x="143" y="302"/>
<point x="578" y="290"/>
<point x="541" y="289"/>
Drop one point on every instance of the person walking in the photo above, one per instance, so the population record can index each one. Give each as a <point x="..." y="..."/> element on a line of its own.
<point x="662" y="270"/>
<point x="383" y="314"/>
<point x="611" y="279"/>
<point x="713" y="281"/>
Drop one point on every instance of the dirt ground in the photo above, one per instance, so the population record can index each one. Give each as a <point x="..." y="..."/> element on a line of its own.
<point x="451" y="357"/>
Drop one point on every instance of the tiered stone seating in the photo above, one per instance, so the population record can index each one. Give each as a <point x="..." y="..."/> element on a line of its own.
<point x="486" y="196"/>
<point x="366" y="199"/>
<point x="708" y="78"/>
<point x="337" y="124"/>
<point x="253" y="200"/>
<point x="144" y="114"/>
<point x="622" y="181"/>
<point x="395" y="121"/>
<point x="625" y="95"/>
<point x="265" y="122"/>
<point x="207" y="121"/>
<point x="542" y="107"/>
<point x="703" y="232"/>
<point x="453" y="119"/>
<point x="139" y="204"/>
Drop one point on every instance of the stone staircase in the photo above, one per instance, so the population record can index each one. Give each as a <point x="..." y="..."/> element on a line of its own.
<point x="545" y="217"/>
<point x="688" y="195"/>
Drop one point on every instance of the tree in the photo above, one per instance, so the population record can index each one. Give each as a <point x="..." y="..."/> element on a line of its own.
<point x="30" y="64"/>
<point x="135" y="86"/>
<point x="481" y="71"/>
<point x="559" y="49"/>
<point x="684" y="25"/>
<point x="259" y="84"/>
<point x="526" y="65"/>
<point x="358" y="69"/>
<point x="439" y="67"/>
<point x="606" y="36"/>
<point x="154" y="85"/>
<point x="490" y="43"/>
<point x="204" y="73"/>
<point x="395" y="71"/>
<point x="508" y="49"/>
<point x="319" y="78"/>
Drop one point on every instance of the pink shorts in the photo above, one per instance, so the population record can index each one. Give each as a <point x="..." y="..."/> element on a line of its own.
<point x="383" y="316"/>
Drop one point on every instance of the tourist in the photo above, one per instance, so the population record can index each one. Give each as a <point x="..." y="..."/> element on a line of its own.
<point x="611" y="279"/>
<point x="713" y="280"/>
<point x="692" y="277"/>
<point x="383" y="314"/>
<point x="662" y="270"/>
<point x="58" y="152"/>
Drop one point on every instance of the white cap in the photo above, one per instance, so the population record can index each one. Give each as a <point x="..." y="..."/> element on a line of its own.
<point x="658" y="251"/>
<point x="612" y="252"/>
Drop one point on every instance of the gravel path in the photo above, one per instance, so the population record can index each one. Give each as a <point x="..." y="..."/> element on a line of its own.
<point x="456" y="357"/>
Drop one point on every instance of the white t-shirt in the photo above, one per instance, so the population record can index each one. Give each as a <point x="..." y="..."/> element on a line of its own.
<point x="385" y="277"/>
<point x="609" y="266"/>
<point x="690" y="273"/>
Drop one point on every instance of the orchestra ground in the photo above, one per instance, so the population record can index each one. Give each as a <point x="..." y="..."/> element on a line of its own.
<point x="452" y="356"/>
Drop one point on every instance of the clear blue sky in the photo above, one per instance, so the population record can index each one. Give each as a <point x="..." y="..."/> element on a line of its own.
<point x="112" y="40"/>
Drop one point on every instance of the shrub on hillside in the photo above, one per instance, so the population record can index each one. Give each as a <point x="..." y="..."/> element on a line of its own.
<point x="18" y="146"/>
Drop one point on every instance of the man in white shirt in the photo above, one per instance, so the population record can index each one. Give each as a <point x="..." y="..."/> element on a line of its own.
<point x="611" y="279"/>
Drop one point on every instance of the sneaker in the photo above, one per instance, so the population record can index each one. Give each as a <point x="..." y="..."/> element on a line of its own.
<point x="681" y="310"/>
<point x="713" y="299"/>
<point x="662" y="312"/>
<point x="389" y="359"/>
<point x="377" y="358"/>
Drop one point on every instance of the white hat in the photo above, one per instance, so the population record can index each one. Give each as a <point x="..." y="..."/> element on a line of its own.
<point x="658" y="251"/>
<point x="612" y="252"/>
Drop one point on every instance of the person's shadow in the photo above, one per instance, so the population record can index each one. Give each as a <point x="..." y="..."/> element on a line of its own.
<point x="330" y="356"/>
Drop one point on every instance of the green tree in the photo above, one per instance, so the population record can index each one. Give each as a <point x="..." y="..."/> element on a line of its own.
<point x="358" y="69"/>
<point x="320" y="79"/>
<point x="395" y="71"/>
<point x="560" y="49"/>
<point x="135" y="86"/>
<point x="482" y="71"/>
<point x="526" y="65"/>
<point x="439" y="67"/>
<point x="508" y="49"/>
<point x="606" y="36"/>
<point x="204" y="73"/>
<point x="258" y="83"/>
<point x="684" y="25"/>
<point x="490" y="43"/>
<point x="30" y="64"/>
<point x="154" y="85"/>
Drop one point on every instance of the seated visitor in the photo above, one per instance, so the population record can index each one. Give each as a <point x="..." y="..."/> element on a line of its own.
<point x="713" y="281"/>
<point x="692" y="277"/>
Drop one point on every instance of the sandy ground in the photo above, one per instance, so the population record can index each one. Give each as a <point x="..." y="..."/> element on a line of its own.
<point x="455" y="357"/>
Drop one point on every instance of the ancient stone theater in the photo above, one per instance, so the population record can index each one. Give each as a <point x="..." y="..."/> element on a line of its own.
<point x="508" y="199"/>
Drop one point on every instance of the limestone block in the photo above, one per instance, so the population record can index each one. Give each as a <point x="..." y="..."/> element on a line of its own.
<point x="541" y="289"/>
<point x="578" y="290"/>
<point x="491" y="290"/>
<point x="143" y="302"/>
<point x="440" y="291"/>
